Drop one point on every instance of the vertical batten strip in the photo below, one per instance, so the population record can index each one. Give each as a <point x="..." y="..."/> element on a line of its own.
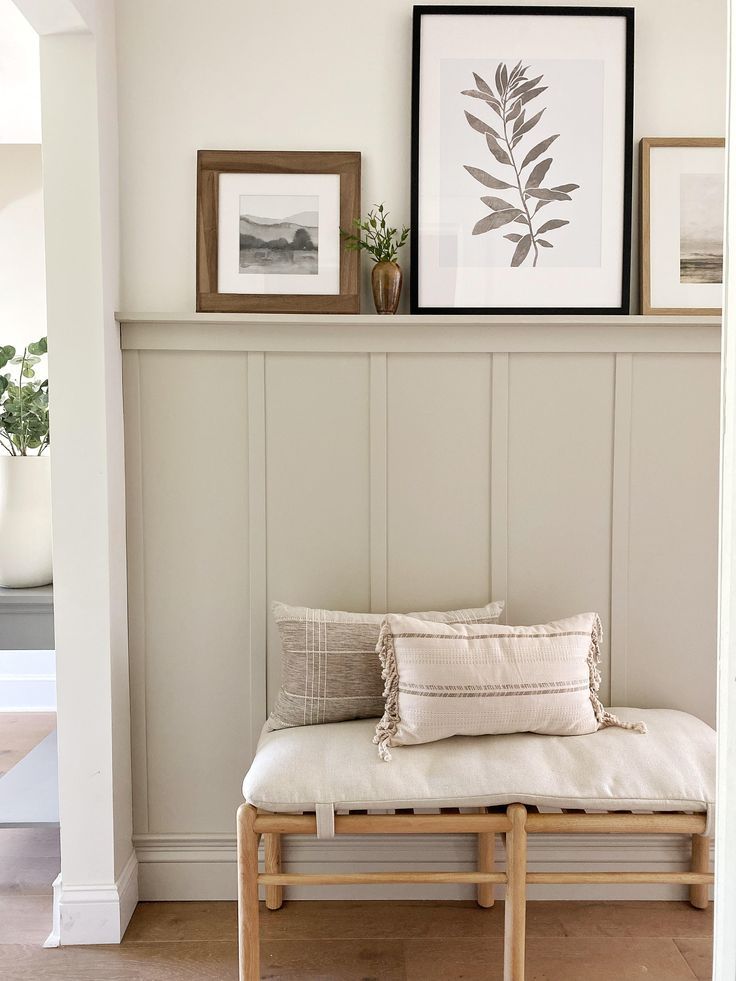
<point x="499" y="478"/>
<point x="136" y="585"/>
<point x="258" y="616"/>
<point x="378" y="478"/>
<point x="620" y="520"/>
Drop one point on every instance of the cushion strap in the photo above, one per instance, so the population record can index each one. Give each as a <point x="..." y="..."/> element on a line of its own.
<point x="325" y="820"/>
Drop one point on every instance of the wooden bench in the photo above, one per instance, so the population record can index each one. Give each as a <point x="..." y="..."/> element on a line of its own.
<point x="625" y="771"/>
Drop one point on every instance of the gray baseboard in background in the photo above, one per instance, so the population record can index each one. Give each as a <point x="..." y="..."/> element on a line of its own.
<point x="27" y="681"/>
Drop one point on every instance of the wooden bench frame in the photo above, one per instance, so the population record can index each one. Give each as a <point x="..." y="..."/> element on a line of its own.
<point x="516" y="823"/>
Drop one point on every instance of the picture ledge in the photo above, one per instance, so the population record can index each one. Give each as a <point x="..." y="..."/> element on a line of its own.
<point x="425" y="334"/>
<point x="420" y="320"/>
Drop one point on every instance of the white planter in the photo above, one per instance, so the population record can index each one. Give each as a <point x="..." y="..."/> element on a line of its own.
<point x="25" y="521"/>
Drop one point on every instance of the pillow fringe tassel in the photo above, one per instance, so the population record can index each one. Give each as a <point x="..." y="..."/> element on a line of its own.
<point x="605" y="719"/>
<point x="389" y="723"/>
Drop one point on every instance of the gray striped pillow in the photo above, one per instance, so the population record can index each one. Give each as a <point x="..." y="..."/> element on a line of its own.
<point x="329" y="667"/>
<point x="459" y="679"/>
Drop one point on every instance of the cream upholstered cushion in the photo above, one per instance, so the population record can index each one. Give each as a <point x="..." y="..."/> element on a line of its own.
<point x="469" y="679"/>
<point x="330" y="671"/>
<point x="673" y="768"/>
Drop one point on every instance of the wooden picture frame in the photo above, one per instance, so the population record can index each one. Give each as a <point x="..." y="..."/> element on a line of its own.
<point x="456" y="267"/>
<point x="647" y="145"/>
<point x="341" y="292"/>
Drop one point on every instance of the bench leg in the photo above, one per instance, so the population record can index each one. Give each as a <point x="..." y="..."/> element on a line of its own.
<point x="700" y="862"/>
<point x="272" y="848"/>
<point x="486" y="863"/>
<point x="248" y="951"/>
<point x="514" y="942"/>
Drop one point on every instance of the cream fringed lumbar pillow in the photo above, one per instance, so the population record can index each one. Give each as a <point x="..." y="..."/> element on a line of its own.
<point x="459" y="679"/>
<point x="329" y="668"/>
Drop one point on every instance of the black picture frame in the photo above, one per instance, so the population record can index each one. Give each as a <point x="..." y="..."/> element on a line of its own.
<point x="627" y="13"/>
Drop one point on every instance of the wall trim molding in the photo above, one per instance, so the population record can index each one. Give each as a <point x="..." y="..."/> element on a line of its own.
<point x="257" y="573"/>
<point x="500" y="479"/>
<point x="378" y="492"/>
<point x="508" y="387"/>
<point x="136" y="554"/>
<point x="620" y="521"/>
<point x="202" y="866"/>
<point x="419" y="334"/>
<point x="94" y="914"/>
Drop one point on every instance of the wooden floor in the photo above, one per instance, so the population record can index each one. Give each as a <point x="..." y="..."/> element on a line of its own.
<point x="20" y="732"/>
<point x="368" y="941"/>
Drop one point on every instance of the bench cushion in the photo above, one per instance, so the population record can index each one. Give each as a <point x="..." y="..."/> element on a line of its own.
<point x="671" y="768"/>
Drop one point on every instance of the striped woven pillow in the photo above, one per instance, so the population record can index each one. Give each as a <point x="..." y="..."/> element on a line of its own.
<point x="459" y="679"/>
<point x="329" y="668"/>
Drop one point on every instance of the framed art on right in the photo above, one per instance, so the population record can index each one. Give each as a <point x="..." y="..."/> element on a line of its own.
<point x="521" y="159"/>
<point x="682" y="218"/>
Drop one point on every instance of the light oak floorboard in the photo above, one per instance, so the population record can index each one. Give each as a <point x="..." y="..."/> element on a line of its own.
<point x="618" y="919"/>
<point x="192" y="921"/>
<point x="369" y="940"/>
<point x="161" y="922"/>
<point x="29" y="843"/>
<point x="698" y="954"/>
<point x="136" y="962"/>
<point x="25" y="919"/>
<point x="165" y="922"/>
<point x="333" y="960"/>
<point x="27" y="876"/>
<point x="20" y="732"/>
<point x="552" y="959"/>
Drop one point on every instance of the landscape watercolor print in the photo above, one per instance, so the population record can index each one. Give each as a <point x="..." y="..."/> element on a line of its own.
<point x="279" y="234"/>
<point x="701" y="228"/>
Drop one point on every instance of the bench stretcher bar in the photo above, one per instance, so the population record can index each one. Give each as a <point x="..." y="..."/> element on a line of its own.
<point x="516" y="823"/>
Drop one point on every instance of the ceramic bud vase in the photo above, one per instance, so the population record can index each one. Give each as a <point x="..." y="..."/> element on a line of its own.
<point x="25" y="521"/>
<point x="386" y="280"/>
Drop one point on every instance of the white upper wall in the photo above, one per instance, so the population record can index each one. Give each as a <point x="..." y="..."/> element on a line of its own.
<point x="325" y="75"/>
<point x="22" y="264"/>
<point x="20" y="81"/>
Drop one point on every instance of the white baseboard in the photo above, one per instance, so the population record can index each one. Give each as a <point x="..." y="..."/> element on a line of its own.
<point x="191" y="867"/>
<point x="27" y="681"/>
<point x="94" y="914"/>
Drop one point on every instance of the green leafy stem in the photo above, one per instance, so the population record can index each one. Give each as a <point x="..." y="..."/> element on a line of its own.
<point x="376" y="236"/>
<point x="513" y="91"/>
<point x="24" y="401"/>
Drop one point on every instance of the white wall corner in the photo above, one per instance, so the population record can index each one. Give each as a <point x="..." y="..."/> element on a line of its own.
<point x="94" y="914"/>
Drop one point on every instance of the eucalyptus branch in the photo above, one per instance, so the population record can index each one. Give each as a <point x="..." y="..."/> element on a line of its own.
<point x="375" y="236"/>
<point x="20" y="400"/>
<point x="24" y="413"/>
<point x="508" y="100"/>
<point x="510" y="151"/>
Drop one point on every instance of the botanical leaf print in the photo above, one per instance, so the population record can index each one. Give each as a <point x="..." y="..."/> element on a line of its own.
<point x="484" y="178"/>
<point x="509" y="100"/>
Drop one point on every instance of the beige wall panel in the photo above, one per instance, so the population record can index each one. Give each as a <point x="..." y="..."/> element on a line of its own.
<point x="194" y="449"/>
<point x="438" y="510"/>
<point x="317" y="485"/>
<point x="671" y="643"/>
<point x="559" y="488"/>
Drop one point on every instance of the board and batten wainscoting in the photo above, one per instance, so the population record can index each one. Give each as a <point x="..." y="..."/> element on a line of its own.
<point x="563" y="464"/>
